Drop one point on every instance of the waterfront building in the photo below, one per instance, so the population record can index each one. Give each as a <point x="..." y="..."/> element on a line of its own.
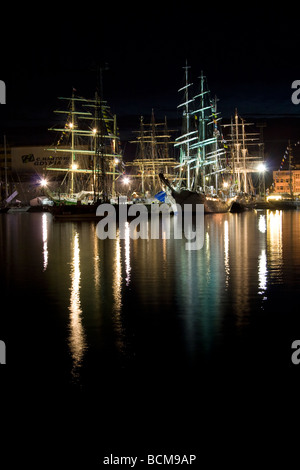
<point x="287" y="181"/>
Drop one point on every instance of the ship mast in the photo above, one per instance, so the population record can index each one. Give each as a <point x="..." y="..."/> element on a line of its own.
<point x="72" y="126"/>
<point x="153" y="142"/>
<point x="243" y="163"/>
<point x="98" y="158"/>
<point x="200" y="151"/>
<point x="184" y="141"/>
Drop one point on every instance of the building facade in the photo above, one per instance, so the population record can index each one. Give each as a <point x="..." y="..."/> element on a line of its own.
<point x="286" y="181"/>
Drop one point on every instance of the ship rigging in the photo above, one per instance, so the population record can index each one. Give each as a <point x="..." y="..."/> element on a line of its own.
<point x="88" y="152"/>
<point x="200" y="144"/>
<point x="154" y="147"/>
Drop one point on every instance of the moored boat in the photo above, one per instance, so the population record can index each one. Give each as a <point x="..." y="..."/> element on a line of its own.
<point x="86" y="158"/>
<point x="185" y="196"/>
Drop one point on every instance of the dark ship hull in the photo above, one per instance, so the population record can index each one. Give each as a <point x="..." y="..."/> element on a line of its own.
<point x="74" y="212"/>
<point x="185" y="196"/>
<point x="211" y="205"/>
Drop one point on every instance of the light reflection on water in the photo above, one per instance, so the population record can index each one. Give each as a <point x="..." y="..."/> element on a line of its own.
<point x="125" y="300"/>
<point x="77" y="341"/>
<point x="275" y="247"/>
<point x="45" y="238"/>
<point x="262" y="271"/>
<point x="227" y="278"/>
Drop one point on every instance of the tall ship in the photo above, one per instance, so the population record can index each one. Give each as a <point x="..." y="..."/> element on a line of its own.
<point x="86" y="157"/>
<point x="201" y="151"/>
<point x="154" y="148"/>
<point x="244" y="161"/>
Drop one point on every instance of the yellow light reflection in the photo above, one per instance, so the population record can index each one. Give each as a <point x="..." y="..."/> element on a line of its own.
<point x="117" y="276"/>
<point x="77" y="340"/>
<point x="274" y="237"/>
<point x="226" y="251"/>
<point x="97" y="278"/>
<point x="127" y="253"/>
<point x="275" y="232"/>
<point x="117" y="295"/>
<point x="207" y="241"/>
<point x="45" y="241"/>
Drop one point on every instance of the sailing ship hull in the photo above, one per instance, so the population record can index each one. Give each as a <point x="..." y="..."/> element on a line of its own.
<point x="185" y="196"/>
<point x="216" y="206"/>
<point x="242" y="203"/>
<point x="74" y="212"/>
<point x="211" y="205"/>
<point x="89" y="212"/>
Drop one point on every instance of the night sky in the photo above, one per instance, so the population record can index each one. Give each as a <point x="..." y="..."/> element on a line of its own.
<point x="249" y="56"/>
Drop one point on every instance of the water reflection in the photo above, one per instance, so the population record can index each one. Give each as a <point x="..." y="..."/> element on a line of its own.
<point x="274" y="240"/>
<point x="262" y="258"/>
<point x="117" y="276"/>
<point x="262" y="272"/>
<point x="127" y="253"/>
<point x="140" y="295"/>
<point x="226" y="253"/>
<point x="45" y="240"/>
<point x="96" y="258"/>
<point x="131" y="300"/>
<point x="262" y="227"/>
<point x="77" y="341"/>
<point x="120" y="280"/>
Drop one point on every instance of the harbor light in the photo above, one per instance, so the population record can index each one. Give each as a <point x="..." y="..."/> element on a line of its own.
<point x="261" y="168"/>
<point x="43" y="182"/>
<point x="274" y="197"/>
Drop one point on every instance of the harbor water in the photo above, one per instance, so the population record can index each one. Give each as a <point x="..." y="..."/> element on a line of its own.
<point x="146" y="323"/>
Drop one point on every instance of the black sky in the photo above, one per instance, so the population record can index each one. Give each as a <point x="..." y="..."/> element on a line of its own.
<point x="249" y="54"/>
